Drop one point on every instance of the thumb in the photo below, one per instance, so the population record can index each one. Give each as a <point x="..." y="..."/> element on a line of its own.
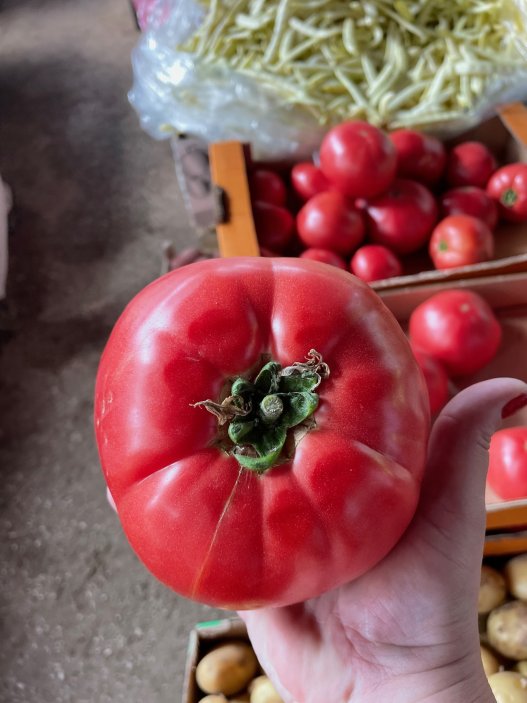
<point x="453" y="491"/>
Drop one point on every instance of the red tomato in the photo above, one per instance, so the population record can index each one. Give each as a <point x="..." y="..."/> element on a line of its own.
<point x="507" y="474"/>
<point x="325" y="256"/>
<point x="458" y="328"/>
<point x="274" y="225"/>
<point x="267" y="187"/>
<point x="374" y="262"/>
<point x="241" y="523"/>
<point x="470" y="164"/>
<point x="419" y="157"/>
<point x="461" y="240"/>
<point x="269" y="253"/>
<point x="331" y="221"/>
<point x="308" y="180"/>
<point x="403" y="217"/>
<point x="469" y="200"/>
<point x="508" y="187"/>
<point x="436" y="379"/>
<point x="358" y="159"/>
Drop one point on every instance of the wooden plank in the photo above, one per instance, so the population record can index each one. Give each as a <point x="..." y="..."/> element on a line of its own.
<point x="514" y="117"/>
<point x="497" y="545"/>
<point x="507" y="517"/>
<point x="237" y="234"/>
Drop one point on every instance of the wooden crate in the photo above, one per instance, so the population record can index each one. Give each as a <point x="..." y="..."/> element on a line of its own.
<point x="505" y="135"/>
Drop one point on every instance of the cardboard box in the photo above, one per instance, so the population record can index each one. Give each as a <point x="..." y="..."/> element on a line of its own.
<point x="204" y="637"/>
<point x="507" y="295"/>
<point x="505" y="135"/>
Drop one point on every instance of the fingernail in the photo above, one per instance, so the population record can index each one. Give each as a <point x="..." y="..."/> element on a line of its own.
<point x="514" y="405"/>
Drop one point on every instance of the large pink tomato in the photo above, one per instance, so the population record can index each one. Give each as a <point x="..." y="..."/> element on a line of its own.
<point x="262" y="426"/>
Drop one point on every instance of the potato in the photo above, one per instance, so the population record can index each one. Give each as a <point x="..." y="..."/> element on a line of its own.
<point x="508" y="687"/>
<point x="227" y="669"/>
<point x="516" y="575"/>
<point x="213" y="698"/>
<point x="492" y="590"/>
<point x="490" y="664"/>
<point x="263" y="691"/>
<point x="521" y="667"/>
<point x="507" y="630"/>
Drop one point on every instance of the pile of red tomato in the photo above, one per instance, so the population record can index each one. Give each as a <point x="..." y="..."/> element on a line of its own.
<point x="453" y="334"/>
<point x="375" y="198"/>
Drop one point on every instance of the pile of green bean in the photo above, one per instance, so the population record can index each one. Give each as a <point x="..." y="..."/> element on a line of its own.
<point x="395" y="63"/>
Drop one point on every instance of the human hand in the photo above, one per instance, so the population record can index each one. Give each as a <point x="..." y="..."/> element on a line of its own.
<point x="406" y="631"/>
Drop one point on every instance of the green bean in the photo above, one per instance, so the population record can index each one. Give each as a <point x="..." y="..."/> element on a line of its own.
<point x="386" y="60"/>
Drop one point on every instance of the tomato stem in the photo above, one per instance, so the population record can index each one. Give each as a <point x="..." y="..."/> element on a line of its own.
<point x="271" y="408"/>
<point x="260" y="413"/>
<point x="509" y="197"/>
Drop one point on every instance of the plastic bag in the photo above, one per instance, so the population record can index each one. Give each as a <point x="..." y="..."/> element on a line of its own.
<point x="176" y="91"/>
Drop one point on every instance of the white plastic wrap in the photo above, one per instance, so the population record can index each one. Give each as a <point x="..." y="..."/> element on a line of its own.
<point x="177" y="92"/>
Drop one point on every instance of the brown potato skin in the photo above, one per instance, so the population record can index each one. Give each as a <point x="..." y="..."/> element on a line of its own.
<point x="490" y="663"/>
<point x="507" y="630"/>
<point x="263" y="691"/>
<point x="227" y="669"/>
<point x="516" y="576"/>
<point x="492" y="590"/>
<point x="508" y="687"/>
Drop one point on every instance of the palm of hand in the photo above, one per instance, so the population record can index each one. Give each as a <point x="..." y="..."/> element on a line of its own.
<point x="387" y="624"/>
<point x="415" y="612"/>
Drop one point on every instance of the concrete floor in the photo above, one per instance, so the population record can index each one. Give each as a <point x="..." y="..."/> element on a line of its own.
<point x="80" y="618"/>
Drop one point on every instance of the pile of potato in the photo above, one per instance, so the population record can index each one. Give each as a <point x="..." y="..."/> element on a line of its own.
<point x="230" y="672"/>
<point x="503" y="629"/>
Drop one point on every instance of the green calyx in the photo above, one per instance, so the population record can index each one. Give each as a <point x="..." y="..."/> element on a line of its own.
<point x="259" y="415"/>
<point x="509" y="197"/>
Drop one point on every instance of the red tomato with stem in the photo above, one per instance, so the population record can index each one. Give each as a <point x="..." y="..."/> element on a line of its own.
<point x="246" y="505"/>
<point x="373" y="262"/>
<point x="460" y="240"/>
<point x="325" y="256"/>
<point x="458" y="328"/>
<point x="359" y="159"/>
<point x="274" y="225"/>
<point x="267" y="187"/>
<point x="470" y="164"/>
<point x="436" y="379"/>
<point x="507" y="474"/>
<point x="420" y="157"/>
<point x="508" y="188"/>
<point x="403" y="217"/>
<point x="331" y="221"/>
<point x="469" y="200"/>
<point x="308" y="180"/>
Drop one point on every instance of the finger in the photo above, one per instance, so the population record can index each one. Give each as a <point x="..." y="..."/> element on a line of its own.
<point x="453" y="492"/>
<point x="280" y="635"/>
<point x="302" y="651"/>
